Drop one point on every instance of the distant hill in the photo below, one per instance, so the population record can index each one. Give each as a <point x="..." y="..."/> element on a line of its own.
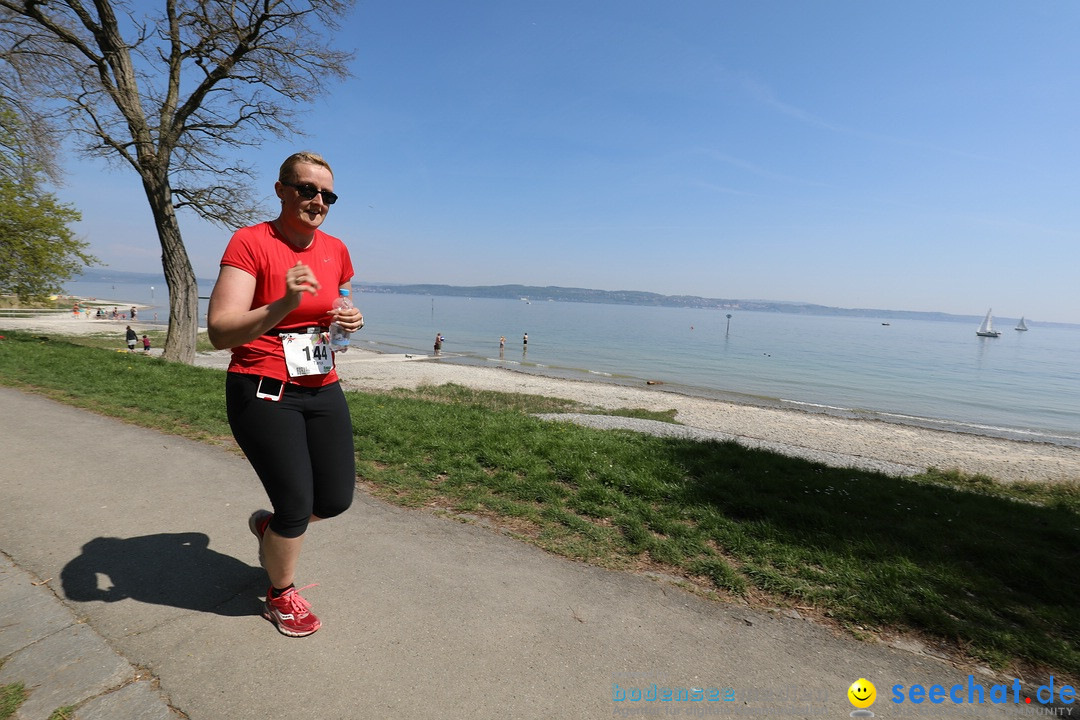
<point x="105" y="275"/>
<point x="585" y="295"/>
<point x="637" y="297"/>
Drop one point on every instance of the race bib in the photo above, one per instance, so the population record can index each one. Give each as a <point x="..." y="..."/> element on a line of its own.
<point x="307" y="353"/>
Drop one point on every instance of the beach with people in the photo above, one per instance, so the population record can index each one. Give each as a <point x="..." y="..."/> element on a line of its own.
<point x="834" y="440"/>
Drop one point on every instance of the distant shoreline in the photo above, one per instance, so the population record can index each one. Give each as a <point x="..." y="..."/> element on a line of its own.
<point x="616" y="297"/>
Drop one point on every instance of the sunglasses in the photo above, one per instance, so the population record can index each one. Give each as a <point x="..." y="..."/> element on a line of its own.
<point x="308" y="192"/>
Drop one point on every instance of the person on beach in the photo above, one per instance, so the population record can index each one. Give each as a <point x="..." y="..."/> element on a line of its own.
<point x="131" y="336"/>
<point x="134" y="313"/>
<point x="525" y="340"/>
<point x="272" y="306"/>
<point x="145" y="344"/>
<point x="438" y="343"/>
<point x="502" y="342"/>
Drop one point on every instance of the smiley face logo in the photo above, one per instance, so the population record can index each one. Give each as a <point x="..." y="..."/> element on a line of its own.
<point x="862" y="693"/>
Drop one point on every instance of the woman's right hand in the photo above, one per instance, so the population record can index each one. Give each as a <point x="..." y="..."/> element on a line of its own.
<point x="300" y="279"/>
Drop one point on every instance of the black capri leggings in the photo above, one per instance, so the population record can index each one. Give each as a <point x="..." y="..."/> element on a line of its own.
<point x="300" y="446"/>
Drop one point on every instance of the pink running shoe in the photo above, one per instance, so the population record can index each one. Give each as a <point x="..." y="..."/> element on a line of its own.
<point x="291" y="613"/>
<point x="257" y="523"/>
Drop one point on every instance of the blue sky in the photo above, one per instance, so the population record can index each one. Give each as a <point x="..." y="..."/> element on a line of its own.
<point x="904" y="155"/>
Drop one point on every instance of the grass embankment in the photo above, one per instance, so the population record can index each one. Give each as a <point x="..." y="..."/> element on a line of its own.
<point x="11" y="301"/>
<point x="986" y="568"/>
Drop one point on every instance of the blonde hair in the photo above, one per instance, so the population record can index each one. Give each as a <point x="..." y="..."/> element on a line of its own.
<point x="287" y="173"/>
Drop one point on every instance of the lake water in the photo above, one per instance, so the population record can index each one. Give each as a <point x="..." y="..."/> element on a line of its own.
<point x="1023" y="385"/>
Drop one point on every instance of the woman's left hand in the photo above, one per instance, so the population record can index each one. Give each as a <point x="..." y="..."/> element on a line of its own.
<point x="351" y="319"/>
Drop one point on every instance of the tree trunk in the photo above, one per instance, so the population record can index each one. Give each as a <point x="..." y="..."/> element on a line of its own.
<point x="179" y="276"/>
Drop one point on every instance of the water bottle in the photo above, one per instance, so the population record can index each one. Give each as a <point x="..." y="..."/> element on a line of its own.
<point x="339" y="337"/>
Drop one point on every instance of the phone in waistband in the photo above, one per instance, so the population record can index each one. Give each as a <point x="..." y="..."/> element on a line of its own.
<point x="270" y="389"/>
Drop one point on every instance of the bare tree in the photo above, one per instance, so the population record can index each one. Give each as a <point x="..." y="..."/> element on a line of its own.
<point x="27" y="144"/>
<point x="173" y="95"/>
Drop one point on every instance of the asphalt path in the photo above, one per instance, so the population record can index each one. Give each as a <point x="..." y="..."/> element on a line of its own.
<point x="131" y="588"/>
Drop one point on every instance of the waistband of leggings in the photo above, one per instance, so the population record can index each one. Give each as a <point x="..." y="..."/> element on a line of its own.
<point x="290" y="386"/>
<point x="302" y="330"/>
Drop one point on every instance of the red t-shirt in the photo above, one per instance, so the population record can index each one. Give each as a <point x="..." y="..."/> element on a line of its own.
<point x="264" y="254"/>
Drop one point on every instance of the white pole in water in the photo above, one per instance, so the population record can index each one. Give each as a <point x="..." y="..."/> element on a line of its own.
<point x="151" y="292"/>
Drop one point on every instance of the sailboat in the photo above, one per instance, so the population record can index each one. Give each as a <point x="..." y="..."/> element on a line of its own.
<point x="987" y="327"/>
<point x="1020" y="325"/>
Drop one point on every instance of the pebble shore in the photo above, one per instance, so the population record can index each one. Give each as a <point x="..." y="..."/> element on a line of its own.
<point x="895" y="449"/>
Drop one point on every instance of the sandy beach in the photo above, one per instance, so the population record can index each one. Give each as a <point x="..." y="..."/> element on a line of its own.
<point x="896" y="449"/>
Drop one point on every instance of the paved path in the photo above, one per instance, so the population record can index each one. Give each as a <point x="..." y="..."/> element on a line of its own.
<point x="130" y="587"/>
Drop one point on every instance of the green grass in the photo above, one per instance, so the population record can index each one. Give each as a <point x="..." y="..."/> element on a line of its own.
<point x="42" y="303"/>
<point x="115" y="340"/>
<point x="451" y="393"/>
<point x="143" y="390"/>
<point x="11" y="697"/>
<point x="981" y="566"/>
<point x="14" y="695"/>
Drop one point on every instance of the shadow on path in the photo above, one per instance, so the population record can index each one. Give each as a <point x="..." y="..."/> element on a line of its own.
<point x="175" y="569"/>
